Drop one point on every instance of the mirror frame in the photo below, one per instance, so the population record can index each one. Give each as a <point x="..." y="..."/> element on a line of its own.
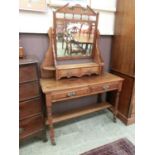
<point x="75" y="10"/>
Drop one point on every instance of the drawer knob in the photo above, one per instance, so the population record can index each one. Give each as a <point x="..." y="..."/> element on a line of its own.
<point x="105" y="87"/>
<point x="21" y="130"/>
<point x="70" y="94"/>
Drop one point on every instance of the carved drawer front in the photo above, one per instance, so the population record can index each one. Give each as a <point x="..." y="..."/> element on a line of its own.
<point x="28" y="90"/>
<point x="30" y="126"/>
<point x="90" y="70"/>
<point x="69" y="72"/>
<point x="29" y="108"/>
<point x="78" y="72"/>
<point x="58" y="95"/>
<point x="104" y="87"/>
<point x="27" y="73"/>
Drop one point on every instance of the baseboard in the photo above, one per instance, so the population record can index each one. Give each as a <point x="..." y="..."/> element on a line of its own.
<point x="126" y="121"/>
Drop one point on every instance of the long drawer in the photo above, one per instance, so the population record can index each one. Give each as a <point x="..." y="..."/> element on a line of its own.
<point x="30" y="126"/>
<point x="29" y="108"/>
<point x="104" y="87"/>
<point x="28" y="90"/>
<point x="27" y="73"/>
<point x="71" y="93"/>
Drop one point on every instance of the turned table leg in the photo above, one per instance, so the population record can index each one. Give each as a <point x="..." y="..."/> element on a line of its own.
<point x="44" y="137"/>
<point x="116" y="106"/>
<point x="99" y="98"/>
<point x="49" y="115"/>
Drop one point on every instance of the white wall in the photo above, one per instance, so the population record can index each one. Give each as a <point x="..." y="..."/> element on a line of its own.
<point x="109" y="5"/>
<point x="35" y="22"/>
<point x="38" y="22"/>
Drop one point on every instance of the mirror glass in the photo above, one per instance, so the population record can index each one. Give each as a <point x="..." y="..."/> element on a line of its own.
<point x="74" y="39"/>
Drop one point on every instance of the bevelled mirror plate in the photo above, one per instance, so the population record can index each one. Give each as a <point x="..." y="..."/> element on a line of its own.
<point x="74" y="39"/>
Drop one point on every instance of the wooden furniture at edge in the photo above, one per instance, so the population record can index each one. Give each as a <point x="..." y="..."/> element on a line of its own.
<point x="31" y="118"/>
<point x="66" y="89"/>
<point x="123" y="58"/>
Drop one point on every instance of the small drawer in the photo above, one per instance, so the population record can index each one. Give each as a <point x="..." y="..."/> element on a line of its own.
<point x="90" y="71"/>
<point x="78" y="72"/>
<point x="30" y="126"/>
<point x="27" y="73"/>
<point x="69" y="72"/>
<point x="29" y="108"/>
<point x="59" y="95"/>
<point x="28" y="90"/>
<point x="104" y="87"/>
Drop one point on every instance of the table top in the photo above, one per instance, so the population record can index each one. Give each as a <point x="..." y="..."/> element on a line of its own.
<point x="49" y="85"/>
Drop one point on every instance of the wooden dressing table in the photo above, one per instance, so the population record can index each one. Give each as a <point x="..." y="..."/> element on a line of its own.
<point x="67" y="89"/>
<point x="79" y="74"/>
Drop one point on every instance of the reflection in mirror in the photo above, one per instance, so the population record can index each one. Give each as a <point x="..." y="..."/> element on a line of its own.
<point x="68" y="16"/>
<point x="74" y="39"/>
<point x="84" y="17"/>
<point x="92" y="18"/>
<point x="76" y="16"/>
<point x="60" y="15"/>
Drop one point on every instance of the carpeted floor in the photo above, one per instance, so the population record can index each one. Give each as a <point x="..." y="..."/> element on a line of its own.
<point x="80" y="135"/>
<point x="119" y="147"/>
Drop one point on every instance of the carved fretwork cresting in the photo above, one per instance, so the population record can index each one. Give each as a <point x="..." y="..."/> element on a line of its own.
<point x="77" y="9"/>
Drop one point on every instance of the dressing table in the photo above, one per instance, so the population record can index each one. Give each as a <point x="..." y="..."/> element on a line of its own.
<point x="73" y="67"/>
<point x="67" y="89"/>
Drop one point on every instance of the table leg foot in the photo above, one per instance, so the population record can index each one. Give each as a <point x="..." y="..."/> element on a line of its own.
<point x="45" y="140"/>
<point x="52" y="137"/>
<point x="114" y="119"/>
<point x="53" y="142"/>
<point x="44" y="137"/>
<point x="116" y="107"/>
